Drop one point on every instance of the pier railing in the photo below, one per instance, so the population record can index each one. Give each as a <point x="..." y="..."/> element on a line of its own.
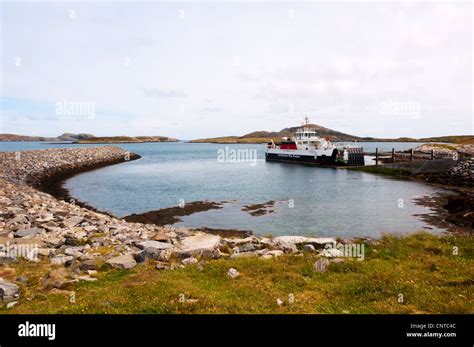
<point x="410" y="155"/>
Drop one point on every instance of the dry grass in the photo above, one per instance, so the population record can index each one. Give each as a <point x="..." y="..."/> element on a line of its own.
<point x="422" y="267"/>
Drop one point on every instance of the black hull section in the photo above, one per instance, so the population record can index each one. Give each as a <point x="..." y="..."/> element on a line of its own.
<point x="303" y="159"/>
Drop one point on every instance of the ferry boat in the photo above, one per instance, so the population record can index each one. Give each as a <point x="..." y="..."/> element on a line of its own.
<point x="307" y="147"/>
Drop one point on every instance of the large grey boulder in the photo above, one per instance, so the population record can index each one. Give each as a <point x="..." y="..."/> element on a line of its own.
<point x="8" y="291"/>
<point x="45" y="217"/>
<point x="54" y="242"/>
<point x="89" y="264"/>
<point x="152" y="253"/>
<point x="246" y="247"/>
<point x="154" y="244"/>
<point x="199" y="243"/>
<point x="122" y="262"/>
<point x="239" y="242"/>
<point x="74" y="251"/>
<point x="29" y="232"/>
<point x="20" y="218"/>
<point x="61" y="259"/>
<point x="72" y="221"/>
<point x="203" y="246"/>
<point x="293" y="242"/>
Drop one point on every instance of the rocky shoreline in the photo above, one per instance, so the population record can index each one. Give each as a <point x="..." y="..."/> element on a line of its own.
<point x="76" y="242"/>
<point x="461" y="175"/>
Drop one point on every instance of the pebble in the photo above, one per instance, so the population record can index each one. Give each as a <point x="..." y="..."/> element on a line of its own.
<point x="321" y="265"/>
<point x="233" y="273"/>
<point x="61" y="259"/>
<point x="189" y="261"/>
<point x="8" y="291"/>
<point x="12" y="304"/>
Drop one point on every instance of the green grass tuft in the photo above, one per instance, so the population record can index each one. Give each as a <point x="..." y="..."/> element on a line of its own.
<point x="421" y="267"/>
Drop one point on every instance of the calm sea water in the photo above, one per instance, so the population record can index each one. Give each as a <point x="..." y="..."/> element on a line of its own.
<point x="25" y="146"/>
<point x="309" y="200"/>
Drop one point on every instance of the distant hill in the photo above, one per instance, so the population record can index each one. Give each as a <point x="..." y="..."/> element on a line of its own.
<point x="74" y="137"/>
<point x="333" y="135"/>
<point x="266" y="136"/>
<point x="13" y="137"/>
<point x="63" y="137"/>
<point x="85" y="138"/>
<point x="459" y="139"/>
<point x="127" y="139"/>
<point x="253" y="137"/>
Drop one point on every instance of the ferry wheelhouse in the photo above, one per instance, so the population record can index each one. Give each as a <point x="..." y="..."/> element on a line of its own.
<point x="307" y="147"/>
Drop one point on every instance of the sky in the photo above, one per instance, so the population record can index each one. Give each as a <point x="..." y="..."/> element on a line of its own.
<point x="204" y="69"/>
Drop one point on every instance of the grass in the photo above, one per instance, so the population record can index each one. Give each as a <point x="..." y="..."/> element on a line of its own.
<point x="458" y="139"/>
<point x="444" y="146"/>
<point x="421" y="266"/>
<point x="383" y="170"/>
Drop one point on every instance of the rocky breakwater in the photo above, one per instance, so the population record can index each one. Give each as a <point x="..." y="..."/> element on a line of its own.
<point x="448" y="149"/>
<point x="46" y="169"/>
<point x="71" y="243"/>
<point x="460" y="175"/>
<point x="463" y="172"/>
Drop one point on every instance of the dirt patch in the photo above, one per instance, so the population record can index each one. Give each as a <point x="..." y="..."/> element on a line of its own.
<point x="172" y="215"/>
<point x="259" y="209"/>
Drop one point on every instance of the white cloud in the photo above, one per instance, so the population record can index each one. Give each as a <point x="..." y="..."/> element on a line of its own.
<point x="233" y="68"/>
